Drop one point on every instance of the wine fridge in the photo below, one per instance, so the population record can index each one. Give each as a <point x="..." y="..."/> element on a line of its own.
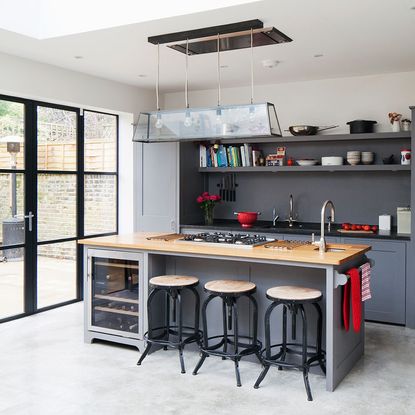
<point x="114" y="292"/>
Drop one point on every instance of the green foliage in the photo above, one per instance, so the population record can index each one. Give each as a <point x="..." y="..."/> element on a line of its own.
<point x="11" y="109"/>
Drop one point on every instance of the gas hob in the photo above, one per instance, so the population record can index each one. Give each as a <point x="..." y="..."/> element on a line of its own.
<point x="237" y="240"/>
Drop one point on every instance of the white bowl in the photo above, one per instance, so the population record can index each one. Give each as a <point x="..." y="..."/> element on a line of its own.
<point x="307" y="162"/>
<point x="331" y="161"/>
<point x="353" y="162"/>
<point x="353" y="153"/>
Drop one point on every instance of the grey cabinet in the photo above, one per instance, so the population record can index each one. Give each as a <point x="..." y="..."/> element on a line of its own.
<point x="388" y="280"/>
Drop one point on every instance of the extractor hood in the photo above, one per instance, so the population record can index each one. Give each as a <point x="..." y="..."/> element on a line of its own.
<point x="199" y="124"/>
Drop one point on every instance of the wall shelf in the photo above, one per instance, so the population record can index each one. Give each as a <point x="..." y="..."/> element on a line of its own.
<point x="321" y="138"/>
<point x="292" y="169"/>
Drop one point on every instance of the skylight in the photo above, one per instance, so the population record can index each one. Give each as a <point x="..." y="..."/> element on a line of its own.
<point x="43" y="19"/>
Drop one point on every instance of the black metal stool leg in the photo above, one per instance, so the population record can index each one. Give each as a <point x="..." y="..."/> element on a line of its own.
<point x="319" y="337"/>
<point x="180" y="330"/>
<point x="236" y="341"/>
<point x="205" y="333"/>
<point x="255" y="325"/>
<point x="167" y="318"/>
<point x="144" y="354"/>
<point x="153" y="292"/>
<point x="304" y="354"/>
<point x="197" y="312"/>
<point x="225" y="328"/>
<point x="262" y="376"/>
<point x="284" y="335"/>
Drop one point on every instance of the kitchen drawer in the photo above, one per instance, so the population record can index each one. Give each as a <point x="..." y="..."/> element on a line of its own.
<point x="388" y="280"/>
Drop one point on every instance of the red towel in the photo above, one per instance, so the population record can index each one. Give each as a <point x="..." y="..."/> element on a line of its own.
<point x="353" y="283"/>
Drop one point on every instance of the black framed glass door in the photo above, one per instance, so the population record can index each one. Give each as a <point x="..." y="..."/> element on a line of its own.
<point x="12" y="207"/>
<point x="50" y="198"/>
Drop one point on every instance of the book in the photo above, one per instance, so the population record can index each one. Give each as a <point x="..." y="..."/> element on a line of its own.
<point x="243" y="158"/>
<point x="202" y="155"/>
<point x="208" y="158"/>
<point x="222" y="157"/>
<point x="246" y="151"/>
<point x="256" y="154"/>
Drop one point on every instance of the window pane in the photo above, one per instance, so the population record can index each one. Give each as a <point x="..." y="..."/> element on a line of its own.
<point x="11" y="283"/>
<point x="11" y="209"/>
<point x="100" y="203"/>
<point x="11" y="135"/>
<point x="56" y="206"/>
<point x="56" y="139"/>
<point x="100" y="142"/>
<point x="56" y="273"/>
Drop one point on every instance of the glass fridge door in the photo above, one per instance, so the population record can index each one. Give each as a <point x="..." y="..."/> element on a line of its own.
<point x="114" y="294"/>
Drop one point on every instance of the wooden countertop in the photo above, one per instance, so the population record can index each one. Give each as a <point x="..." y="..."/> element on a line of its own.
<point x="304" y="253"/>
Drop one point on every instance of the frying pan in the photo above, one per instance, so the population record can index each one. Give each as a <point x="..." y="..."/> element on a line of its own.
<point x="307" y="129"/>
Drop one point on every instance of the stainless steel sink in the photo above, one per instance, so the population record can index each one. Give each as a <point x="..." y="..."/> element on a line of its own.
<point x="333" y="249"/>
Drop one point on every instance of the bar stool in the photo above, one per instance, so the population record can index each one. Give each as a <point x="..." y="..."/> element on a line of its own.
<point x="172" y="286"/>
<point x="293" y="298"/>
<point x="230" y="291"/>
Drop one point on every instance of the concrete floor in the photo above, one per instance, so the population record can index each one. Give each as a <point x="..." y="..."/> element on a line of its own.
<point x="47" y="369"/>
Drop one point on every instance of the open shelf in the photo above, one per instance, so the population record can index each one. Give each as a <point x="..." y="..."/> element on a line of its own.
<point x="319" y="138"/>
<point x="276" y="169"/>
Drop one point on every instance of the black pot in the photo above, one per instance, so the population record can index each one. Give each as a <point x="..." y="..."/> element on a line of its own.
<point x="361" y="126"/>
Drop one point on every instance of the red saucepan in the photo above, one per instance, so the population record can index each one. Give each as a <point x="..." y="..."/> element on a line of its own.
<point x="247" y="219"/>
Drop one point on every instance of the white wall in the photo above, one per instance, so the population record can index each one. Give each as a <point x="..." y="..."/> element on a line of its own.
<point x="321" y="102"/>
<point x="25" y="78"/>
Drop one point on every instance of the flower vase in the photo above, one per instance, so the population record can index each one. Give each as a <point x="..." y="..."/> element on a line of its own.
<point x="396" y="126"/>
<point x="209" y="215"/>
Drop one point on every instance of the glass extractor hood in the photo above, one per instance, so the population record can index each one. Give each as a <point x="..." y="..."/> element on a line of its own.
<point x="200" y="124"/>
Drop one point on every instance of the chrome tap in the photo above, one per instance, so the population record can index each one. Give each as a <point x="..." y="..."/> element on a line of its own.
<point x="291" y="219"/>
<point x="322" y="242"/>
<point x="275" y="217"/>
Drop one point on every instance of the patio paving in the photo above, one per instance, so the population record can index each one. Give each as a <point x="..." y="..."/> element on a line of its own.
<point x="56" y="284"/>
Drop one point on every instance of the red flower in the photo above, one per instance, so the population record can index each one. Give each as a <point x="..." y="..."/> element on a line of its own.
<point x="199" y="199"/>
<point x="215" y="198"/>
<point x="204" y="194"/>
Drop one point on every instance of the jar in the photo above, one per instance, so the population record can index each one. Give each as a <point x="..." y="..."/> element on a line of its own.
<point x="405" y="157"/>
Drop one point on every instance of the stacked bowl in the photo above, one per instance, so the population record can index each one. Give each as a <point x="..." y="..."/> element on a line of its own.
<point x="367" y="157"/>
<point x="353" y="157"/>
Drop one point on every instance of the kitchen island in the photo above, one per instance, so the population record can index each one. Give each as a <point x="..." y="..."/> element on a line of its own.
<point x="265" y="265"/>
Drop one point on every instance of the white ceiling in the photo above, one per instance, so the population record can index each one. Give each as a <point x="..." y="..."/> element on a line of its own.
<point x="356" y="37"/>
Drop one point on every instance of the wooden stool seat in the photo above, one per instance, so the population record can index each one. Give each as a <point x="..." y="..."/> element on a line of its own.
<point x="174" y="281"/>
<point x="293" y="293"/>
<point x="230" y="286"/>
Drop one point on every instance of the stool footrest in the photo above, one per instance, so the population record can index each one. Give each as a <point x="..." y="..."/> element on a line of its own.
<point x="247" y="348"/>
<point x="188" y="336"/>
<point x="314" y="357"/>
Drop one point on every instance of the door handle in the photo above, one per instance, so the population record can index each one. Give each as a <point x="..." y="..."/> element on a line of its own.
<point x="30" y="216"/>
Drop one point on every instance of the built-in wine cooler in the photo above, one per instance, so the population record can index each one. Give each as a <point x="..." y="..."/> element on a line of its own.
<point x="114" y="291"/>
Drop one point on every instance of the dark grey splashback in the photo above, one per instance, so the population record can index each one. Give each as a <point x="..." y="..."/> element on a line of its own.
<point x="359" y="197"/>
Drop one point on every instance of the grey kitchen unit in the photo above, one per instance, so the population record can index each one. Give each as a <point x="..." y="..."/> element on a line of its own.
<point x="388" y="281"/>
<point x="113" y="290"/>
<point x="343" y="348"/>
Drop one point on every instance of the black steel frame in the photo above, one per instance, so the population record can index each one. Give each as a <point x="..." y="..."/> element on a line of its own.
<point x="181" y="334"/>
<point x="30" y="173"/>
<point x="310" y="355"/>
<point x="229" y="316"/>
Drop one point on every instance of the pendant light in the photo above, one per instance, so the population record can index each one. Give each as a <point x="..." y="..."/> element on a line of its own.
<point x="159" y="122"/>
<point x="218" y="109"/>
<point x="213" y="123"/>
<point x="252" y="107"/>
<point x="187" y="117"/>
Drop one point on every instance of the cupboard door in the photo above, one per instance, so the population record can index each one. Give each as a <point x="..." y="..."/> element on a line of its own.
<point x="156" y="197"/>
<point x="387" y="281"/>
